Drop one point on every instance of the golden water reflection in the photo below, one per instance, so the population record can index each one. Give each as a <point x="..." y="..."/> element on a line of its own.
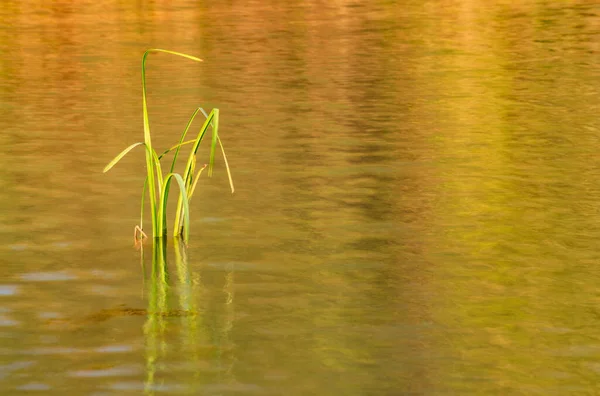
<point x="416" y="207"/>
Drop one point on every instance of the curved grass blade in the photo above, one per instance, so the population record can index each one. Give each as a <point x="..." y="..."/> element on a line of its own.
<point x="191" y="175"/>
<point x="121" y="155"/>
<point x="213" y="143"/>
<point x="175" y="53"/>
<point x="201" y="133"/>
<point x="226" y="165"/>
<point x="189" y="164"/>
<point x="185" y="131"/>
<point x="167" y="151"/>
<point x="193" y="187"/>
<point x="224" y="156"/>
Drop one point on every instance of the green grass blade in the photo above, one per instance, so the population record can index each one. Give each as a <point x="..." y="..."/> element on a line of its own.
<point x="185" y="131"/>
<point x="151" y="157"/>
<point x="142" y="204"/>
<point x="147" y="138"/>
<point x="189" y="164"/>
<point x="175" y="53"/>
<point x="226" y="165"/>
<point x="188" y="183"/>
<point x="213" y="144"/>
<point x="159" y="176"/>
<point x="224" y="156"/>
<point x="222" y="150"/>
<point x="185" y="202"/>
<point x="167" y="151"/>
<point x="121" y="155"/>
<point x="193" y="187"/>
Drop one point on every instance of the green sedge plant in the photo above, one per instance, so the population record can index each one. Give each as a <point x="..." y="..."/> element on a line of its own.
<point x="157" y="183"/>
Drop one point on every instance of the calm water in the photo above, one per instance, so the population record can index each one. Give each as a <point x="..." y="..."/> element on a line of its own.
<point x="417" y="208"/>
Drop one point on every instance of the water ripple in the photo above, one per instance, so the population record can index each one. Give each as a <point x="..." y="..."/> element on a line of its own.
<point x="48" y="276"/>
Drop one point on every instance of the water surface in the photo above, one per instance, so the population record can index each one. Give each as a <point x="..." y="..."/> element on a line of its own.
<point x="417" y="205"/>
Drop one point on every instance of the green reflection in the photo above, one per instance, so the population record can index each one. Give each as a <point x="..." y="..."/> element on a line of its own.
<point x="202" y="338"/>
<point x="155" y="325"/>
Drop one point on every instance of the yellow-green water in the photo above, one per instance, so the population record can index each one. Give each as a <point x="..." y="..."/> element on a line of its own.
<point x="417" y="206"/>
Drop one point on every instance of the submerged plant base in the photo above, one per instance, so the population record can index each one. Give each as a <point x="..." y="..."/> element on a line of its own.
<point x="139" y="237"/>
<point x="157" y="183"/>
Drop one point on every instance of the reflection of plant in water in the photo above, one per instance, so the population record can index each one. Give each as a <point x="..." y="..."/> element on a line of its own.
<point x="225" y="344"/>
<point x="157" y="305"/>
<point x="195" y="335"/>
<point x="187" y="301"/>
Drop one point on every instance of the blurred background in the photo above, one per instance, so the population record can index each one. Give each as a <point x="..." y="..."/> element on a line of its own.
<point x="417" y="205"/>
